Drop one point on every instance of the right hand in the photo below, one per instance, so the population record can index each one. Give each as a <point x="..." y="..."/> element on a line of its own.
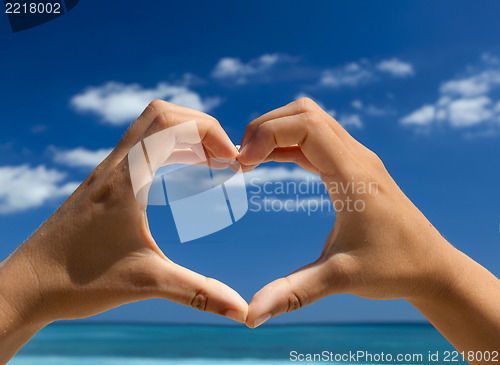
<point x="380" y="248"/>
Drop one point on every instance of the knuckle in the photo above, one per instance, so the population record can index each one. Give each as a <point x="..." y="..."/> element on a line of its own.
<point x="158" y="105"/>
<point x="251" y="126"/>
<point x="213" y="121"/>
<point x="266" y="132"/>
<point x="200" y="300"/>
<point x="297" y="298"/>
<point x="163" y="121"/>
<point x="200" y="297"/>
<point x="305" y="104"/>
<point x="294" y="302"/>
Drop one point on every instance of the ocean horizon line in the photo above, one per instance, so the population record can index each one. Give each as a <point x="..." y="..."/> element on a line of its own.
<point x="189" y="324"/>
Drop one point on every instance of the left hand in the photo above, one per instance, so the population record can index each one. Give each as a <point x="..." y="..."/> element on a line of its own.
<point x="96" y="252"/>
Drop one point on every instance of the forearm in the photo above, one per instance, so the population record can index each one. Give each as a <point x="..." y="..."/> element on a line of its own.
<point x="463" y="305"/>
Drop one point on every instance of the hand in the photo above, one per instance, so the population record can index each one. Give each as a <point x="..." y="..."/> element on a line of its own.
<point x="96" y="252"/>
<point x="381" y="246"/>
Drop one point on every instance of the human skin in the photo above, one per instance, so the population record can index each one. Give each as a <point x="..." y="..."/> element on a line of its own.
<point x="388" y="250"/>
<point x="96" y="252"/>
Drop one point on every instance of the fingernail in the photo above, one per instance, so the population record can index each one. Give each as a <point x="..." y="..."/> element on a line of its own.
<point x="222" y="160"/>
<point x="235" y="166"/>
<point x="235" y="315"/>
<point x="242" y="149"/>
<point x="261" y="319"/>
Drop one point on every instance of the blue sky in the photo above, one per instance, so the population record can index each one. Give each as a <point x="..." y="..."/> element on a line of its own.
<point x="417" y="82"/>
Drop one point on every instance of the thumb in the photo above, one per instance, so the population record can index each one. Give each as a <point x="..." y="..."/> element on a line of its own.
<point x="186" y="287"/>
<point x="301" y="288"/>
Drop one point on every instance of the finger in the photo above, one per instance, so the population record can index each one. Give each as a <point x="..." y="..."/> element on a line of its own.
<point x="189" y="157"/>
<point x="299" y="106"/>
<point x="184" y="156"/>
<point x="291" y="154"/>
<point x="248" y="168"/>
<point x="212" y="135"/>
<point x="318" y="142"/>
<point x="287" y="294"/>
<point x="155" y="108"/>
<point x="186" y="287"/>
<point x="285" y="111"/>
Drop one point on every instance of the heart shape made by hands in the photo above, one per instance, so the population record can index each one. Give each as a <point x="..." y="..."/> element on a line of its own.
<point x="363" y="254"/>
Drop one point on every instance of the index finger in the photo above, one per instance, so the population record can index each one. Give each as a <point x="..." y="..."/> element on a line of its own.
<point x="316" y="139"/>
<point x="299" y="106"/>
<point x="160" y="115"/>
<point x="210" y="132"/>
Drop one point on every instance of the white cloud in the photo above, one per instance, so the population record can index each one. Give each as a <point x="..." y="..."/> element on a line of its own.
<point x="264" y="174"/>
<point x="23" y="187"/>
<point x="396" y="67"/>
<point x="119" y="104"/>
<point x="277" y="66"/>
<point x="297" y="188"/>
<point x="350" y="121"/>
<point x="231" y="68"/>
<point x="351" y="74"/>
<point x="478" y="81"/>
<point x="466" y="101"/>
<point x="257" y="180"/>
<point x="357" y="104"/>
<point x="280" y="189"/>
<point x="378" y="112"/>
<point x="363" y="71"/>
<point x="421" y="116"/>
<point x="471" y="86"/>
<point x="497" y="107"/>
<point x="80" y="157"/>
<point x="467" y="112"/>
<point x="489" y="58"/>
<point x="371" y="110"/>
<point x="346" y="120"/>
<point x="259" y="176"/>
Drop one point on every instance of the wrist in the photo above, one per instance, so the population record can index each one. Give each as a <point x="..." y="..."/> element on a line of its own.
<point x="20" y="315"/>
<point x="442" y="271"/>
<point x="462" y="303"/>
<point x="16" y="329"/>
<point x="21" y="296"/>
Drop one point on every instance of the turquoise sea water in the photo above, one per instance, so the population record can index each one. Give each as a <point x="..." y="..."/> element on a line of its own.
<point x="200" y="345"/>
